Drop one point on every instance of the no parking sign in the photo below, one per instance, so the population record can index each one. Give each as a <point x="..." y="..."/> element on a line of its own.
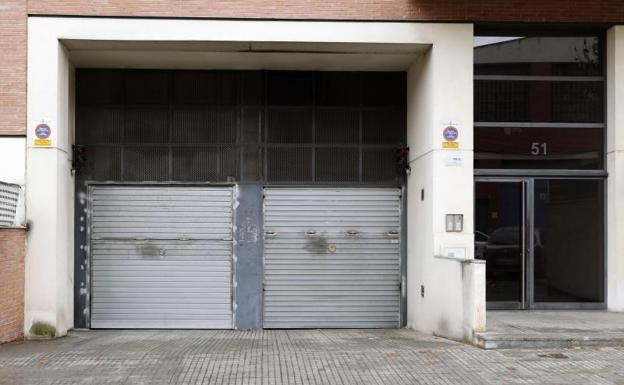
<point x="450" y="133"/>
<point x="43" y="133"/>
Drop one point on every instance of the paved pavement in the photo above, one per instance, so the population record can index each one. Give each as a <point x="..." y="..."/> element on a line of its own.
<point x="552" y="329"/>
<point x="382" y="357"/>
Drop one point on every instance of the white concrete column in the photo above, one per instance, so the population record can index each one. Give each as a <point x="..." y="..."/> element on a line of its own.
<point x="49" y="187"/>
<point x="443" y="297"/>
<point x="615" y="168"/>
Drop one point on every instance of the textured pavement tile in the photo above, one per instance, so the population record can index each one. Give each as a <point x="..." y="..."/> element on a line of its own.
<point x="294" y="357"/>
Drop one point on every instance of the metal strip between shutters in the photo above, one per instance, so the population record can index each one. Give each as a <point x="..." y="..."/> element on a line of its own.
<point x="332" y="257"/>
<point x="161" y="257"/>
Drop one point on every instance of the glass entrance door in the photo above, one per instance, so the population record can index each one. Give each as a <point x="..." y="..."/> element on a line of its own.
<point x="542" y="240"/>
<point x="567" y="248"/>
<point x="500" y="216"/>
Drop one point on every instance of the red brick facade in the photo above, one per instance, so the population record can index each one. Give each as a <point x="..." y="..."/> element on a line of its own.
<point x="13" y="23"/>
<point x="12" y="251"/>
<point x="12" y="67"/>
<point x="448" y="10"/>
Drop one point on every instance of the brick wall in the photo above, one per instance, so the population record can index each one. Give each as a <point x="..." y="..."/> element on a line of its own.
<point x="490" y="10"/>
<point x="12" y="251"/>
<point x="12" y="67"/>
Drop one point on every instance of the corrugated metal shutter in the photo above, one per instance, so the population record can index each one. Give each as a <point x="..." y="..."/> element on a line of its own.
<point x="332" y="257"/>
<point x="161" y="257"/>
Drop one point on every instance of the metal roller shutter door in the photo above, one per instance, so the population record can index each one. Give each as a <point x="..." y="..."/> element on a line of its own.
<point x="332" y="257"/>
<point x="161" y="257"/>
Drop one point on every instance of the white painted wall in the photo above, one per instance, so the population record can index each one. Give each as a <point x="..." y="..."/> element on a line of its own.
<point x="615" y="168"/>
<point x="440" y="89"/>
<point x="49" y="189"/>
<point x="13" y="170"/>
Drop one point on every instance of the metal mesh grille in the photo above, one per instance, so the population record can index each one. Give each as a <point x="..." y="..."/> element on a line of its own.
<point x="145" y="163"/>
<point x="384" y="89"/>
<point x="103" y="163"/>
<point x="289" y="164"/>
<point x="383" y="127"/>
<point x="230" y="163"/>
<point x="251" y="164"/>
<point x="252" y="118"/>
<point x="196" y="88"/>
<point x="98" y="87"/>
<point x="290" y="88"/>
<point x="337" y="164"/>
<point x="338" y="89"/>
<point x="289" y="126"/>
<point x="335" y="126"/>
<point x="379" y="165"/>
<point x="228" y="126"/>
<point x="195" y="163"/>
<point x="274" y="126"/>
<point x="101" y="125"/>
<point x="147" y="87"/>
<point x="146" y="125"/>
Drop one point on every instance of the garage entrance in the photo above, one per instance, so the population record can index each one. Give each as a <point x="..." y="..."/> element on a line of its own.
<point x="161" y="257"/>
<point x="332" y="257"/>
<point x="171" y="247"/>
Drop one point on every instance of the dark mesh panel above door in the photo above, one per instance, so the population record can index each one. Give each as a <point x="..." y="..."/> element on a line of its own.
<point x="289" y="126"/>
<point x="298" y="127"/>
<point x="289" y="164"/>
<point x="195" y="164"/>
<point x="334" y="126"/>
<point x="147" y="87"/>
<point x="103" y="163"/>
<point x="146" y="163"/>
<point x="196" y="88"/>
<point x="100" y="125"/>
<point x="337" y="164"/>
<point x="146" y="125"/>
<point x="379" y="165"/>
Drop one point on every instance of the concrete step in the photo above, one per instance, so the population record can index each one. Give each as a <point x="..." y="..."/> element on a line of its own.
<point x="549" y="340"/>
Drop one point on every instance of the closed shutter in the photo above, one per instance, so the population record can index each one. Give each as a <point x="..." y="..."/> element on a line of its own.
<point x="161" y="257"/>
<point x="331" y="257"/>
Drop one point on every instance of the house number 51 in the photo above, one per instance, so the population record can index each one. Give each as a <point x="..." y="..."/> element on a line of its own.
<point x="538" y="148"/>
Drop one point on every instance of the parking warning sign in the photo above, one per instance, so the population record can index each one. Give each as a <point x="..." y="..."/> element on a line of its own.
<point x="43" y="133"/>
<point x="450" y="133"/>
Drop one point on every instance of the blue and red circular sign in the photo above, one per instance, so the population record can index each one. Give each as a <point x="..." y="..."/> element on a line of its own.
<point x="43" y="131"/>
<point x="450" y="133"/>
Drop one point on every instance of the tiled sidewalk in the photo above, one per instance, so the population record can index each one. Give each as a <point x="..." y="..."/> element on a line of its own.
<point x="383" y="357"/>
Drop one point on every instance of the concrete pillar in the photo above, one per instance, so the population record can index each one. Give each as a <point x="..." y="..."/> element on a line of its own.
<point x="49" y="189"/>
<point x="443" y="297"/>
<point x="615" y="168"/>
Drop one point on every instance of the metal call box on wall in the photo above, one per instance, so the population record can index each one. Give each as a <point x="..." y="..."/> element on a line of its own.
<point x="454" y="223"/>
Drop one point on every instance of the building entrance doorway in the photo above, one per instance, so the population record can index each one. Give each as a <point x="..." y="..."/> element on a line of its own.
<point x="542" y="240"/>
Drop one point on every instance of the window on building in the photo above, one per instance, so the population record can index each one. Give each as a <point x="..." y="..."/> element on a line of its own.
<point x="539" y="102"/>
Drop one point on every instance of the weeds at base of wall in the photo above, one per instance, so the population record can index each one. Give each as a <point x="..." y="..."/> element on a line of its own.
<point x="42" y="330"/>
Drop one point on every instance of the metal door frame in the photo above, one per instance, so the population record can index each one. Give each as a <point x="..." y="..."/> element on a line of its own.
<point x="402" y="238"/>
<point x="91" y="185"/>
<point x="528" y="247"/>
<point x="534" y="305"/>
<point x="527" y="255"/>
